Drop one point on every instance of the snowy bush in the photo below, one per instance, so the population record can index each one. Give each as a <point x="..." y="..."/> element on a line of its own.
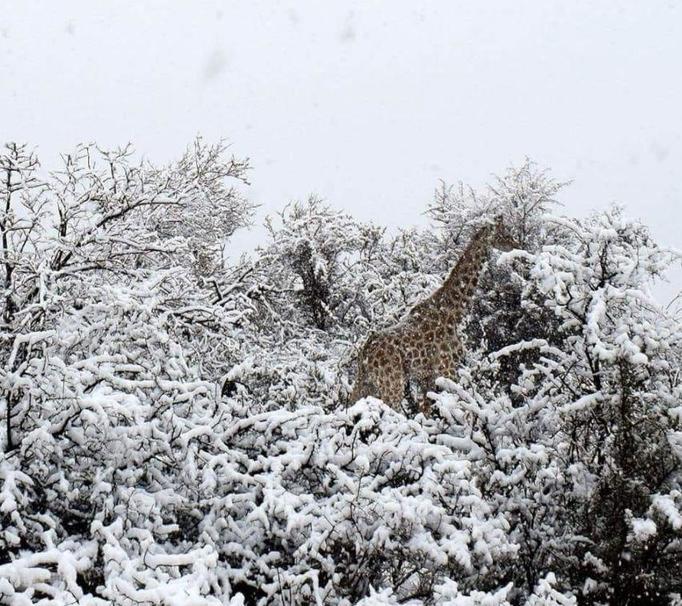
<point x="177" y="431"/>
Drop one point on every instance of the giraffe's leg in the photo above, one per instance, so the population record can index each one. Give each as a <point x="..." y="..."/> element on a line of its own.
<point x="447" y="362"/>
<point x="380" y="373"/>
<point x="441" y="361"/>
<point x="392" y="387"/>
<point x="391" y="378"/>
<point x="368" y="371"/>
<point x="422" y="371"/>
<point x="427" y="383"/>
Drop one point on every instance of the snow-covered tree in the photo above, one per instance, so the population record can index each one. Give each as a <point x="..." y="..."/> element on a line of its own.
<point x="100" y="309"/>
<point x="580" y="450"/>
<point x="176" y="430"/>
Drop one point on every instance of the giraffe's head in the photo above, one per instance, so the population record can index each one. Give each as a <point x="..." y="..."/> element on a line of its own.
<point x="501" y="237"/>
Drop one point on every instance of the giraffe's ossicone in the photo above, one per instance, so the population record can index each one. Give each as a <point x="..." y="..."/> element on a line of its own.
<point x="425" y="344"/>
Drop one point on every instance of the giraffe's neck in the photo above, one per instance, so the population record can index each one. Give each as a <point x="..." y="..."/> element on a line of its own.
<point x="453" y="298"/>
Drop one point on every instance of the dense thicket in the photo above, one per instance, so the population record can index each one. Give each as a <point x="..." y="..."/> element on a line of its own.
<point x="178" y="430"/>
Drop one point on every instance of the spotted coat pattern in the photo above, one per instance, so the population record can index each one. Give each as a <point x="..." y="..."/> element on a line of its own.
<point x="425" y="344"/>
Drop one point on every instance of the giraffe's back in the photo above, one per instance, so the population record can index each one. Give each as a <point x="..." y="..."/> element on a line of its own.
<point x="417" y="349"/>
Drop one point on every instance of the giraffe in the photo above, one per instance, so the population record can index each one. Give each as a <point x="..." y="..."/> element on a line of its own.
<point x="425" y="343"/>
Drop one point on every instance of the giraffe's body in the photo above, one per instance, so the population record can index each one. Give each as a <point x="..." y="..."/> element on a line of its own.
<point x="425" y="344"/>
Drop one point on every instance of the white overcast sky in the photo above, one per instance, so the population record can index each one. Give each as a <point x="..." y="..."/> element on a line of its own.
<point x="368" y="103"/>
